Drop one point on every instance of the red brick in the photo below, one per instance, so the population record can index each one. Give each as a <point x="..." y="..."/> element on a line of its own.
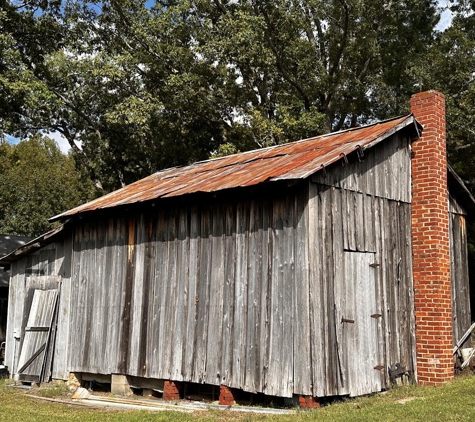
<point x="227" y="396"/>
<point x="430" y="242"/>
<point x="309" y="402"/>
<point x="171" y="390"/>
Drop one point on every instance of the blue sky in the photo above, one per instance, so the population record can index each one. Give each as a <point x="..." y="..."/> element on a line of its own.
<point x="445" y="18"/>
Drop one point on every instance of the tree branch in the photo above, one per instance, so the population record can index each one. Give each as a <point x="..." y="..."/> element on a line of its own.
<point x="280" y="64"/>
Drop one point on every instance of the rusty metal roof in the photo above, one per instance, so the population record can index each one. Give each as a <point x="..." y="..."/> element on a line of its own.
<point x="295" y="160"/>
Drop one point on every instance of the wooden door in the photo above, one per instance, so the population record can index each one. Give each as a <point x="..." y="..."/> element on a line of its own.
<point x="358" y="319"/>
<point x="37" y="336"/>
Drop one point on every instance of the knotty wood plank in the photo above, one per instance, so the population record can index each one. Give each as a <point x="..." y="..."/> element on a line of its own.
<point x="252" y="314"/>
<point x="288" y="282"/>
<point x="276" y="297"/>
<point x="264" y="249"/>
<point x="101" y="290"/>
<point x="350" y="218"/>
<point x="108" y="282"/>
<point x="368" y="223"/>
<point x="332" y="370"/>
<point x="360" y="223"/>
<point x="338" y="283"/>
<point x="16" y="296"/>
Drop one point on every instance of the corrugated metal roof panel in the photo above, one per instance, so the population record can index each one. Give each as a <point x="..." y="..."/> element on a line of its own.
<point x="294" y="160"/>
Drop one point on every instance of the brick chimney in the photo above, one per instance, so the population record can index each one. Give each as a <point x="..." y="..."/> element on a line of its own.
<point x="430" y="243"/>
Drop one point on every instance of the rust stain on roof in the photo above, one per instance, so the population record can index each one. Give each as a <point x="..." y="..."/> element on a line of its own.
<point x="296" y="160"/>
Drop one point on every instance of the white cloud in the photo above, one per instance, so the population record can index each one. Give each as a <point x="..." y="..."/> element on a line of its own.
<point x="445" y="17"/>
<point x="63" y="144"/>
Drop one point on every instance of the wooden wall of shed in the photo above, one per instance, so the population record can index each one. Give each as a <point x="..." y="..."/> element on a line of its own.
<point x="40" y="270"/>
<point x="230" y="292"/>
<point x="362" y="207"/>
<point x="459" y="269"/>
<point x="215" y="294"/>
<point x="383" y="171"/>
<point x="356" y="222"/>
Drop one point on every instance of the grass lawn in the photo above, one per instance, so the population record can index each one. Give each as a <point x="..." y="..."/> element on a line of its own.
<point x="453" y="402"/>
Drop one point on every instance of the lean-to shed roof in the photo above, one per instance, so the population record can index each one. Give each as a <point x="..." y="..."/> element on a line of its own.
<point x="295" y="160"/>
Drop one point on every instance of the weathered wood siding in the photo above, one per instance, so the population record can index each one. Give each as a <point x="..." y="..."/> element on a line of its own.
<point x="208" y="294"/>
<point x="242" y="291"/>
<point x="347" y="222"/>
<point x="459" y="269"/>
<point x="385" y="171"/>
<point x="301" y="290"/>
<point x="42" y="269"/>
<point x="362" y="207"/>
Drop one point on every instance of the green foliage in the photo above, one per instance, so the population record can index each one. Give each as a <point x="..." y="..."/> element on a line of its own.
<point x="37" y="182"/>
<point x="449" y="67"/>
<point x="451" y="71"/>
<point x="142" y="88"/>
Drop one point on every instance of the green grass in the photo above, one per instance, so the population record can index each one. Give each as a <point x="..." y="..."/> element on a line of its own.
<point x="453" y="402"/>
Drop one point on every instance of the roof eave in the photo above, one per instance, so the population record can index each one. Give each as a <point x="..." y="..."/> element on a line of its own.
<point x="31" y="246"/>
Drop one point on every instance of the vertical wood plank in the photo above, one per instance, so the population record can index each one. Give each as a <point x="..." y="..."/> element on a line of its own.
<point x="192" y="293"/>
<point x="228" y="295"/>
<point x="302" y="362"/>
<point x="215" y="327"/>
<point x="316" y="244"/>
<point x="240" y="296"/>
<point x="160" y="303"/>
<point x="170" y="294"/>
<point x="201" y="339"/>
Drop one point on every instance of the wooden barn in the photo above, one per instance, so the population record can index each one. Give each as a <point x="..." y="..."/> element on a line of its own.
<point x="317" y="268"/>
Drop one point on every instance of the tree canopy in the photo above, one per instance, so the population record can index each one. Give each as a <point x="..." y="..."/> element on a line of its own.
<point x="37" y="182"/>
<point x="137" y="86"/>
<point x="450" y="68"/>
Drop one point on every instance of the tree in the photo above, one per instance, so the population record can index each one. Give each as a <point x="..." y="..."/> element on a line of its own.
<point x="37" y="182"/>
<point x="451" y="71"/>
<point x="135" y="88"/>
<point x="344" y="61"/>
